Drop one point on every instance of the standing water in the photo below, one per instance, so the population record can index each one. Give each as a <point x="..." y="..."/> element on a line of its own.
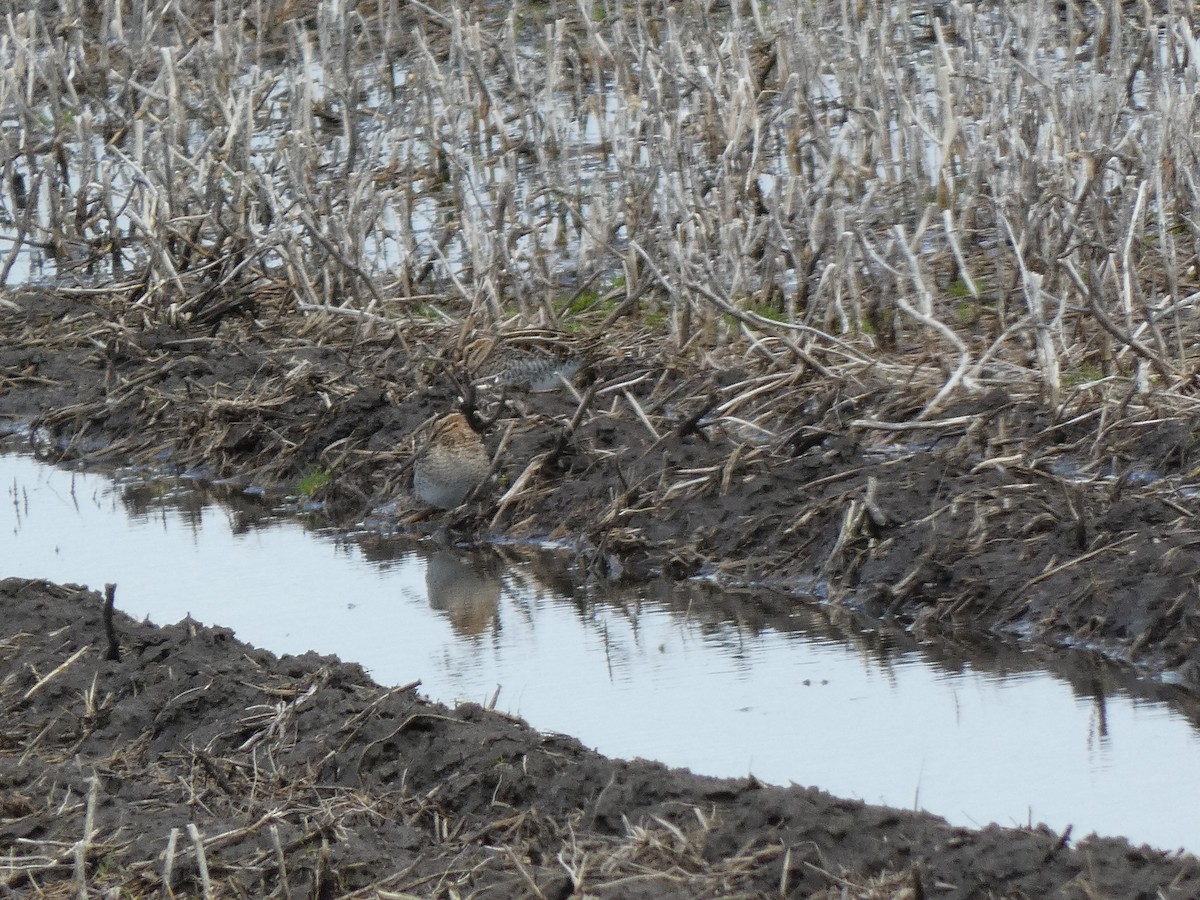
<point x="677" y="673"/>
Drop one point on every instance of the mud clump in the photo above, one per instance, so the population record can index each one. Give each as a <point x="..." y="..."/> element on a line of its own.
<point x="196" y="764"/>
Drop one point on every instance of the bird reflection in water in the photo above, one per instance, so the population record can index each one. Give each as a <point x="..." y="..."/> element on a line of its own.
<point x="466" y="588"/>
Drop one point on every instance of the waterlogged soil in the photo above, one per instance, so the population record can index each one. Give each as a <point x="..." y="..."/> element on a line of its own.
<point x="189" y="763"/>
<point x="1067" y="525"/>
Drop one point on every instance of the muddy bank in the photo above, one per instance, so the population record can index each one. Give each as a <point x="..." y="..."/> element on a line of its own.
<point x="303" y="778"/>
<point x="1068" y="524"/>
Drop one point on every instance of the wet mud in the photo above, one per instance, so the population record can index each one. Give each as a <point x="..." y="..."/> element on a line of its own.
<point x="1060" y="526"/>
<point x="196" y="763"/>
<point x="1070" y="525"/>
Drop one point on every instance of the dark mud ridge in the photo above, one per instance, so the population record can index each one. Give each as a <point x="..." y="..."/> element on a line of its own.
<point x="195" y="765"/>
<point x="791" y="465"/>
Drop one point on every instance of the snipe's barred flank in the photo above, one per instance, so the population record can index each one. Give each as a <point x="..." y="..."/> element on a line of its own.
<point x="536" y="371"/>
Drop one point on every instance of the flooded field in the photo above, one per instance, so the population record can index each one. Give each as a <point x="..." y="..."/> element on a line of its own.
<point x="895" y="302"/>
<point x="679" y="674"/>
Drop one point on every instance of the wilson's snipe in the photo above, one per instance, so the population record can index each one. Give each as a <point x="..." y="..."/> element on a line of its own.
<point x="452" y="465"/>
<point x="534" y="360"/>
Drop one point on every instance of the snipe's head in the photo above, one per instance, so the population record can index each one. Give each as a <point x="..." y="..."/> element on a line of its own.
<point x="453" y="433"/>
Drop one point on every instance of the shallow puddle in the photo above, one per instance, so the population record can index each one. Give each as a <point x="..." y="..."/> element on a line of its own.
<point x="682" y="674"/>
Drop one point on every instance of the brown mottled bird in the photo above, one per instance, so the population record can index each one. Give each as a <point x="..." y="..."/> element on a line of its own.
<point x="539" y="372"/>
<point x="452" y="465"/>
<point x="537" y="360"/>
